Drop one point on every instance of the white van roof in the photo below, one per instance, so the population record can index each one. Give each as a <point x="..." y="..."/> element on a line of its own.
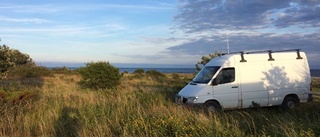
<point x="267" y="55"/>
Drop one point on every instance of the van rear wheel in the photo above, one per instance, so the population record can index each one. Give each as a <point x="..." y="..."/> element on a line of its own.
<point x="212" y="106"/>
<point x="289" y="103"/>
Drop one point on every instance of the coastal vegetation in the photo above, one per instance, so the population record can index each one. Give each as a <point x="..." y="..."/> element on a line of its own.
<point x="36" y="101"/>
<point x="139" y="106"/>
<point x="99" y="75"/>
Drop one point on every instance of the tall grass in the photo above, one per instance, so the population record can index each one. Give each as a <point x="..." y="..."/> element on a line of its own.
<point x="316" y="84"/>
<point x="142" y="106"/>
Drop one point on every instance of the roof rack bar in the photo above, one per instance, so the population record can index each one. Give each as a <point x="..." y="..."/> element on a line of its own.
<point x="286" y="50"/>
<point x="232" y="53"/>
<point x="262" y="51"/>
<point x="259" y="51"/>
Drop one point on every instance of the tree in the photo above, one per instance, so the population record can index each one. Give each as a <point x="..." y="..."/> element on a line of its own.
<point x="10" y="58"/>
<point x="99" y="75"/>
<point x="206" y="59"/>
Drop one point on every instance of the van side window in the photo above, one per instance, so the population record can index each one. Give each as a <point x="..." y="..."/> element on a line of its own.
<point x="226" y="75"/>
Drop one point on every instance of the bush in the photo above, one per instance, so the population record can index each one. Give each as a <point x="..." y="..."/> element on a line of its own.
<point x="10" y="58"/>
<point x="138" y="71"/>
<point x="154" y="73"/>
<point x="99" y="75"/>
<point x="29" y="71"/>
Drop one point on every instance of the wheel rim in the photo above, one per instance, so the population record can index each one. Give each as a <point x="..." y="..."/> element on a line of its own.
<point x="211" y="109"/>
<point x="291" y="104"/>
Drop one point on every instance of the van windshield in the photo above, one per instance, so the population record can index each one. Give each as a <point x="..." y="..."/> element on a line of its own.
<point x="205" y="74"/>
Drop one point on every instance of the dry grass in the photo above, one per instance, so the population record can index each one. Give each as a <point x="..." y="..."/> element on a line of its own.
<point x="142" y="106"/>
<point x="316" y="84"/>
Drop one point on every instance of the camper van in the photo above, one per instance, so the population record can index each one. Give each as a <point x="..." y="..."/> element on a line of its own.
<point x="250" y="79"/>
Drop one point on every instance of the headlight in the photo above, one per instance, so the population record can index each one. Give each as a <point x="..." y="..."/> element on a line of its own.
<point x="192" y="99"/>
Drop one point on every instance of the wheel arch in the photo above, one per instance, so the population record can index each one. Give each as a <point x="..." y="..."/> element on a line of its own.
<point x="214" y="100"/>
<point x="292" y="95"/>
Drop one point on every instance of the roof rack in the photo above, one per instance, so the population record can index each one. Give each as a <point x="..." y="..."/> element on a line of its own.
<point x="263" y="51"/>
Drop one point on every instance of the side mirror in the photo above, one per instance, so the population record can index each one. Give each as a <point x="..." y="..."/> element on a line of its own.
<point x="214" y="82"/>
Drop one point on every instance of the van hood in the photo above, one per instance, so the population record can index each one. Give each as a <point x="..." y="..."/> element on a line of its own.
<point x="191" y="90"/>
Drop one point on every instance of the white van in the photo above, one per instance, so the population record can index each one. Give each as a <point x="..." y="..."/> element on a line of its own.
<point x="250" y="79"/>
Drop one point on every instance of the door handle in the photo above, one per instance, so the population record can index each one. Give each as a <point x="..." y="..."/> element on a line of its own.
<point x="234" y="87"/>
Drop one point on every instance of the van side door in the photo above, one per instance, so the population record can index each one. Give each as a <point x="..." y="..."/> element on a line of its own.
<point x="253" y="90"/>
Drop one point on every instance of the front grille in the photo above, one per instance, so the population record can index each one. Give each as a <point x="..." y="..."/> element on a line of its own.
<point x="180" y="99"/>
<point x="184" y="100"/>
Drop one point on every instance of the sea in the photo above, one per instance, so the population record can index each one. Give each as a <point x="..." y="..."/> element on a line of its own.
<point x="162" y="70"/>
<point x="315" y="72"/>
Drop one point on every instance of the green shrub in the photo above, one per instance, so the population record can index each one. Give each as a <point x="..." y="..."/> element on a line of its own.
<point x="138" y="71"/>
<point x="29" y="71"/>
<point x="125" y="72"/>
<point x="10" y="58"/>
<point x="99" y="75"/>
<point x="154" y="73"/>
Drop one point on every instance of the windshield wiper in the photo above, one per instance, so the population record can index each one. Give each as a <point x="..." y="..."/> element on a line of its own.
<point x="194" y="82"/>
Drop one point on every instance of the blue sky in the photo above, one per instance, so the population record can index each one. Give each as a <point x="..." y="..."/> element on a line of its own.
<point x="58" y="33"/>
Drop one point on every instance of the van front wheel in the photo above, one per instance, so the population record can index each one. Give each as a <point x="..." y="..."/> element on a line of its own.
<point x="289" y="103"/>
<point x="212" y="106"/>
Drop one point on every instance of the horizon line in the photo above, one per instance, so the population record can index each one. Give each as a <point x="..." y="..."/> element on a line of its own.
<point x="120" y="65"/>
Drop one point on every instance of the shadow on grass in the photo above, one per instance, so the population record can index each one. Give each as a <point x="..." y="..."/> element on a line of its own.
<point x="68" y="124"/>
<point x="16" y="90"/>
<point x="16" y="84"/>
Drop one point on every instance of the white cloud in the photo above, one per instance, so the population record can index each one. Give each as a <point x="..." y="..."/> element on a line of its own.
<point x="62" y="7"/>
<point x="24" y="20"/>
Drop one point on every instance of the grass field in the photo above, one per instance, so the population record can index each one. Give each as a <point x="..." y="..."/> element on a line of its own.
<point x="143" y="106"/>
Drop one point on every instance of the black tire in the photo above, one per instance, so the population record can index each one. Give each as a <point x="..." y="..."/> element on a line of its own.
<point x="212" y="106"/>
<point x="289" y="103"/>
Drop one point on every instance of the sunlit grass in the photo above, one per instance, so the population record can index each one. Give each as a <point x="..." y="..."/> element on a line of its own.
<point x="316" y="84"/>
<point x="143" y="106"/>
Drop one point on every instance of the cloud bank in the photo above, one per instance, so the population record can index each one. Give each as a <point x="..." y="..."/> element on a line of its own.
<point x="249" y="25"/>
